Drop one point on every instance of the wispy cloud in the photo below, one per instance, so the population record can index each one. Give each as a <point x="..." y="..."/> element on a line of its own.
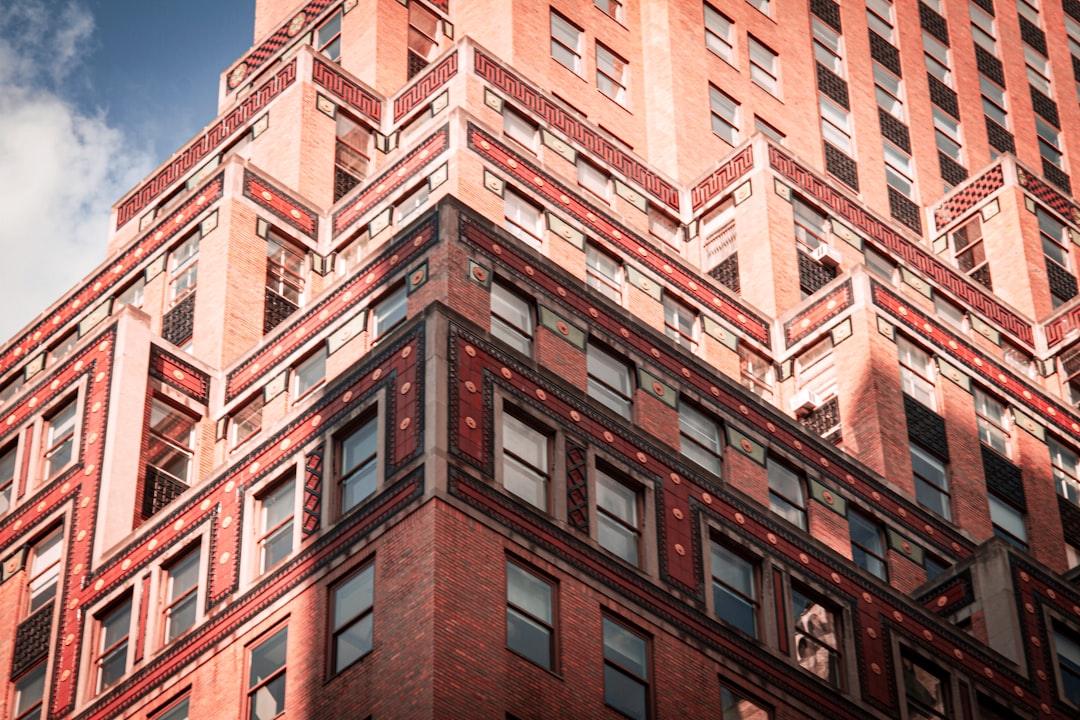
<point x="61" y="166"/>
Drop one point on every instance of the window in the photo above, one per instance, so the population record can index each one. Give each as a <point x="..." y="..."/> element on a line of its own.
<point x="518" y="128"/>
<point x="827" y="46"/>
<point x="916" y="372"/>
<point x="761" y="5"/>
<point x="764" y="66"/>
<point x="1008" y="521"/>
<point x="171" y="441"/>
<point x="982" y="29"/>
<point x="879" y="16"/>
<point x="1049" y="142"/>
<point x="937" y="59"/>
<point x="769" y="131"/>
<point x="183" y="267"/>
<point x="359" y="464"/>
<point x="719" y="34"/>
<point x="351" y="154"/>
<point x="511" y="318"/>
<point x="734" y="588"/>
<point x="835" y="125"/>
<point x="626" y="670"/>
<point x="699" y="437"/>
<point x="867" y="544"/>
<point x="60" y="439"/>
<point x="29" y="693"/>
<point x="609" y="380"/>
<point x="603" y="272"/>
<point x="246" y="421"/>
<point x="523" y="219"/>
<point x="7" y="479"/>
<point x="787" y="493"/>
<point x="1054" y="236"/>
<point x="968" y="250"/>
<point x="526" y="461"/>
<point x="680" y="323"/>
<point x="176" y="711"/>
<point x="1029" y="10"/>
<point x="993" y="101"/>
<point x="284" y="269"/>
<point x="734" y="706"/>
<point x="530" y="616"/>
<point x="63" y="346"/>
<point x="611" y="8"/>
<point x="725" y="115"/>
<point x="12" y="387"/>
<point x="411" y="203"/>
<point x="947" y="135"/>
<point x="755" y="372"/>
<point x="934" y="566"/>
<point x="926" y="689"/>
<point x="423" y="37"/>
<point x="1068" y="655"/>
<point x="310" y="373"/>
<point x="111" y="654"/>
<point x="611" y="74"/>
<point x="1038" y="69"/>
<point x="566" y="42"/>
<point x="276" y="509"/>
<point x="1066" y="465"/>
<point x="815" y="369"/>
<point x="44" y="564"/>
<point x="898" y="170"/>
<point x="131" y="295"/>
<point x="949" y="311"/>
<point x="389" y="312"/>
<point x="328" y="37"/>
<point x="931" y="482"/>
<point x="266" y="677"/>
<point x="617" y="512"/>
<point x="181" y="594"/>
<point x="592" y="178"/>
<point x="351" y="605"/>
<point x="817" y="636"/>
<point x="888" y="89"/>
<point x="993" y="420"/>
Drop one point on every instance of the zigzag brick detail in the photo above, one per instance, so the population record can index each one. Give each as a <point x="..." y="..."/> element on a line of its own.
<point x="100" y="285"/>
<point x="1057" y="202"/>
<point x="559" y="195"/>
<point x="722" y="178"/>
<point x="513" y="86"/>
<point x="969" y="197"/>
<point x="179" y="375"/>
<point x="354" y="96"/>
<point x="255" y="59"/>
<point x="893" y="242"/>
<point x="436" y="77"/>
<point x="397" y="175"/>
<point x="263" y="193"/>
<point x="206" y="144"/>
<point x="313" y="476"/>
<point x="817" y="315"/>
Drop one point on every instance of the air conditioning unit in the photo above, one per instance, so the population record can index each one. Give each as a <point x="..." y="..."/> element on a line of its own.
<point x="805" y="402"/>
<point x="826" y="255"/>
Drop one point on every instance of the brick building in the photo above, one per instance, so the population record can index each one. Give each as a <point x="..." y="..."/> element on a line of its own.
<point x="574" y="360"/>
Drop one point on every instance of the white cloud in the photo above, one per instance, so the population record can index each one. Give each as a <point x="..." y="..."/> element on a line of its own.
<point x="61" y="167"/>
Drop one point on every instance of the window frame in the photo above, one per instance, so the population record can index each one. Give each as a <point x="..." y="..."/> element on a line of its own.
<point x="765" y="67"/>
<point x="705" y="451"/>
<point x="502" y="327"/>
<point x="514" y="223"/>
<point x="168" y="602"/>
<point x="69" y="437"/>
<point x="724" y="111"/>
<point x="871" y="558"/>
<point x="835" y="652"/>
<point x="916" y="374"/>
<point x="34" y="710"/>
<point x="102" y="654"/>
<point x="724" y="45"/>
<point x="340" y="626"/>
<point x="334" y="38"/>
<point x="627" y="672"/>
<point x="156" y="434"/>
<point x="611" y="397"/>
<point x="368" y="421"/>
<point x="612" y="74"/>
<point x="614" y="9"/>
<point x="593" y="178"/>
<point x="285" y="527"/>
<point x="942" y="492"/>
<point x="52" y="571"/>
<point x="944" y="682"/>
<point x="615" y="482"/>
<point x="253" y="685"/>
<point x="1065" y="479"/>
<point x="992" y="421"/>
<point x="301" y="389"/>
<point x="183" y="267"/>
<point x="397" y="301"/>
<point x="676" y="313"/>
<point x="797" y="509"/>
<point x="530" y="617"/>
<point x="1065" y="690"/>
<point x="246" y="420"/>
<point x="9" y="456"/>
<point x="544" y="441"/>
<point x="570" y="54"/>
<point x="286" y="268"/>
<point x="608" y="284"/>
<point x="751" y="601"/>
<point x="1003" y="512"/>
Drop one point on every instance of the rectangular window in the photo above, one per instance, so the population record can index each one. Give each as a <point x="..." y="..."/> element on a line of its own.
<point x="898" y="171"/>
<point x="184" y="267"/>
<point x="809" y="226"/>
<point x="787" y="493"/>
<point x="60" y="439"/>
<point x="266" y="677"/>
<point x="734" y="588"/>
<point x="1038" y="69"/>
<point x="719" y="34"/>
<point x="181" y="594"/>
<point x="700" y="438"/>
<point x="725" y="115"/>
<point x="769" y="131"/>
<point x="937" y="59"/>
<point x="968" y="251"/>
<point x="756" y="373"/>
<point x="171" y="441"/>
<point x="111" y="653"/>
<point x="1029" y="10"/>
<point x="680" y="323"/>
<point x="817" y="636"/>
<point x="511" y="318"/>
<point x="603" y="272"/>
<point x="246" y="421"/>
<point x="29" y="693"/>
<point x="518" y="128"/>
<point x="7" y="478"/>
<point x="993" y="420"/>
<point x="815" y="369"/>
<point x="423" y="37"/>
<point x="592" y="178"/>
<point x="1049" y="142"/>
<point x="328" y="37"/>
<point x="609" y="380"/>
<point x="982" y="29"/>
<point x="284" y="269"/>
<point x="764" y="66"/>
<point x="44" y="566"/>
<point x="916" y="372"/>
<point x="617" y="517"/>
<point x="1067" y="645"/>
<point x="835" y="125"/>
<point x="931" y="482"/>
<point x="611" y="74"/>
<point x="1008" y="521"/>
<point x="888" y="90"/>
<point x="526" y="461"/>
<point x="993" y="101"/>
<point x="566" y="42"/>
<point x="867" y="544"/>
<point x="734" y="706"/>
<point x="359" y="464"/>
<point x="947" y="135"/>
<point x="352" y="152"/>
<point x="626" y="670"/>
<point x="1055" y="238"/>
<point x="1066" y="465"/>
<point x="926" y="689"/>
<point x="389" y="312"/>
<point x="310" y="373"/>
<point x="65" y="345"/>
<point x="276" y="509"/>
<point x="176" y="711"/>
<point x="523" y="219"/>
<point x="411" y="203"/>
<point x="352" y="603"/>
<point x="612" y="8"/>
<point x="827" y="46"/>
<point x="530" y="615"/>
<point x="879" y="16"/>
<point x="760" y="5"/>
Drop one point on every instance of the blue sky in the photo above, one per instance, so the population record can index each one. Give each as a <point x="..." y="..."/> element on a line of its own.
<point x="94" y="94"/>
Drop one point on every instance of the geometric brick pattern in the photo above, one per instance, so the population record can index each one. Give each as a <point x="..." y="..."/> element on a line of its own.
<point x="813" y="275"/>
<point x="206" y="143"/>
<point x="1046" y="194"/>
<point x="989" y="66"/>
<point x="32" y="639"/>
<point x="276" y="310"/>
<point x="904" y="209"/>
<point x="828" y="12"/>
<point x="1071" y="8"/>
<point x="894" y="130"/>
<point x="1003" y="478"/>
<point x="825" y="420"/>
<point x="832" y="85"/>
<point x="1043" y="105"/>
<point x="1000" y="138"/>
<point x="951" y="596"/>
<point x="422" y="88"/>
<point x="1056" y="175"/>
<point x="577" y="487"/>
<point x="510" y="84"/>
<point x="313" y="488"/>
<point x="722" y="178"/>
<point x="1062" y="282"/>
<point x="979" y="189"/>
<point x="178" y="324"/>
<point x="281" y="204"/>
<point x="727" y="273"/>
<point x="817" y="315"/>
<point x="360" y="100"/>
<point x="255" y="59"/>
<point x="926" y="427"/>
<point x="1070" y="520"/>
<point x="943" y="96"/>
<point x="933" y="23"/>
<point x="160" y="489"/>
<point x="884" y="52"/>
<point x="1032" y="35"/>
<point x="988" y="5"/>
<point x="951" y="171"/>
<point x="841" y="167"/>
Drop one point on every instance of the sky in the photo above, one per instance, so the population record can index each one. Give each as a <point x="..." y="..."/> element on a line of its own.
<point x="94" y="94"/>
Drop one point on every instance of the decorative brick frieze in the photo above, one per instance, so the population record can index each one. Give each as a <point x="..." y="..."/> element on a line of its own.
<point x="513" y="86"/>
<point x="265" y="194"/>
<point x="205" y="144"/>
<point x="423" y="88"/>
<point x="358" y="99"/>
<point x="577" y="486"/>
<point x="974" y="193"/>
<point x="1057" y="202"/>
<point x="179" y="375"/>
<point x="955" y="594"/>
<point x="251" y="63"/>
<point x="722" y="178"/>
<point x="313" y="492"/>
